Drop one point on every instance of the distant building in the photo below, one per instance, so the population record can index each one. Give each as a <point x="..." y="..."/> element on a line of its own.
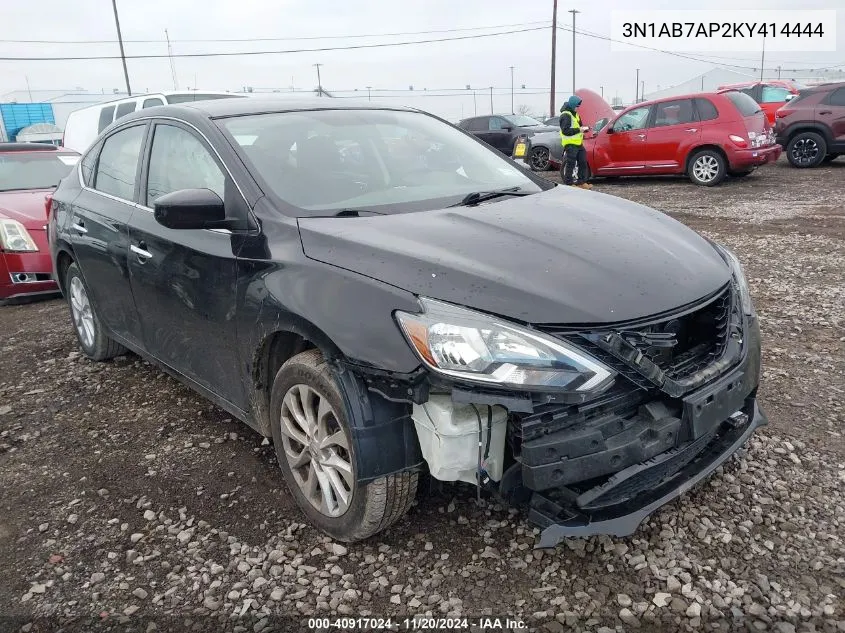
<point x="712" y="79"/>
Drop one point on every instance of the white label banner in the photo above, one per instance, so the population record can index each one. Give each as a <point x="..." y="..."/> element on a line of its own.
<point x="724" y="30"/>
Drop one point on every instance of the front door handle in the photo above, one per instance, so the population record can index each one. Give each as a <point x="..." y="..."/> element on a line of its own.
<point x="141" y="251"/>
<point x="79" y="227"/>
<point x="641" y="135"/>
<point x="825" y="112"/>
<point x="692" y="129"/>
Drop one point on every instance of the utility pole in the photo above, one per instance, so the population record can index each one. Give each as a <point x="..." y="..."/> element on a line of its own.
<point x="642" y="90"/>
<point x="475" y="102"/>
<point x="778" y="72"/>
<point x="602" y="91"/>
<point x="554" y="51"/>
<point x="28" y="89"/>
<point x="636" y="90"/>
<point x="319" y="82"/>
<point x="172" y="63"/>
<point x="512" y="111"/>
<point x="491" y="99"/>
<point x="763" y="58"/>
<point x="573" y="12"/>
<point x="369" y="98"/>
<point x="122" y="54"/>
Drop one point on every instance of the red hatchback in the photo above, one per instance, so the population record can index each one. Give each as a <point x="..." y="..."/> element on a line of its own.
<point x="771" y="95"/>
<point x="706" y="136"/>
<point x="28" y="172"/>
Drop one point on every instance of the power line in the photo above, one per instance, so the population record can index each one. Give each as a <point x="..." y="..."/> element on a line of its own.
<point x="691" y="57"/>
<point x="277" y="52"/>
<point x="285" y="39"/>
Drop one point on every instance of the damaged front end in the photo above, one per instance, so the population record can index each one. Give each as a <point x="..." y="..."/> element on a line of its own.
<point x="593" y="428"/>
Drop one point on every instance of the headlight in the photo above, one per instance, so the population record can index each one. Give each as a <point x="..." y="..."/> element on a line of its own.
<point x="14" y="237"/>
<point x="740" y="284"/>
<point x="473" y="346"/>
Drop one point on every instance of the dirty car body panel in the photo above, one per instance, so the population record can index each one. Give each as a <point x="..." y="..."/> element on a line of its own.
<point x="615" y="351"/>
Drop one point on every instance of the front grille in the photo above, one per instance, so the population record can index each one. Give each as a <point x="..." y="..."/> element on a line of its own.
<point x="700" y="336"/>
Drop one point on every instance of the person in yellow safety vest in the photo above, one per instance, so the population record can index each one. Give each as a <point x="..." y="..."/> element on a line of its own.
<point x="572" y="139"/>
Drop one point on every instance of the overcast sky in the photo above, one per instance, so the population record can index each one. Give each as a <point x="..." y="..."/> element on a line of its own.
<point x="479" y="62"/>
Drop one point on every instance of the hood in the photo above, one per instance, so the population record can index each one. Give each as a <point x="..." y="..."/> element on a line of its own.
<point x="27" y="207"/>
<point x="593" y="107"/>
<point x="540" y="129"/>
<point x="561" y="256"/>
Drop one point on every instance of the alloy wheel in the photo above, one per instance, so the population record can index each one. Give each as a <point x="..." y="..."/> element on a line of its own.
<point x="540" y="158"/>
<point x="705" y="168"/>
<point x="83" y="316"/>
<point x="805" y="151"/>
<point x="317" y="450"/>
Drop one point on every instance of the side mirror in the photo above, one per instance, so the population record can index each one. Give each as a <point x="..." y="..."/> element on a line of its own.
<point x="191" y="209"/>
<point x="507" y="128"/>
<point x="790" y="97"/>
<point x="610" y="130"/>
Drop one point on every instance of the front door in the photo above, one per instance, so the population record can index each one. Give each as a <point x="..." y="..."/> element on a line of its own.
<point x="184" y="280"/>
<point x="99" y="228"/>
<point x="499" y="134"/>
<point x="673" y="132"/>
<point x="621" y="148"/>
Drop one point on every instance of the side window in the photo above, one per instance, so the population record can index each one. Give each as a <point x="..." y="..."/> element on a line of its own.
<point x="106" y="118"/>
<point x="674" y="113"/>
<point x="478" y="125"/>
<point x="178" y="160"/>
<point x="773" y="94"/>
<point x="632" y="120"/>
<point x="706" y="110"/>
<point x="151" y="103"/>
<point x="125" y="108"/>
<point x="87" y="164"/>
<point x="837" y="97"/>
<point x="496" y="124"/>
<point x="749" y="92"/>
<point x="118" y="162"/>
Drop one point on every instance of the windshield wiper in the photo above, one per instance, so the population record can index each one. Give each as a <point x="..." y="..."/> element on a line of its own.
<point x="354" y="213"/>
<point x="477" y="197"/>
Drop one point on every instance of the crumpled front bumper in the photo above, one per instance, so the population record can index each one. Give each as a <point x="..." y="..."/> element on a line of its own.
<point x="623" y="519"/>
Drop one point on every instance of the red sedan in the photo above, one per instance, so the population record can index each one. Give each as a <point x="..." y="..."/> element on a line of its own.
<point x="28" y="172"/>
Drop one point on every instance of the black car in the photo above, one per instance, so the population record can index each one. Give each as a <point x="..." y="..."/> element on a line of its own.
<point x="381" y="294"/>
<point x="502" y="130"/>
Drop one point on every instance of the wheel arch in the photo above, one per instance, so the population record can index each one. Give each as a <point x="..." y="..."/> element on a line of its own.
<point x="701" y="148"/>
<point x="809" y="126"/>
<point x="64" y="258"/>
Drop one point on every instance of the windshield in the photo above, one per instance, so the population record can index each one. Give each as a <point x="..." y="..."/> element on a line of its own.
<point x="34" y="170"/>
<point x="379" y="160"/>
<point x="520" y="120"/>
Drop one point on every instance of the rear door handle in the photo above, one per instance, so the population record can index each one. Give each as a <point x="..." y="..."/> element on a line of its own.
<point x="692" y="129"/>
<point x="825" y="112"/>
<point x="141" y="251"/>
<point x="79" y="227"/>
<point x="641" y="135"/>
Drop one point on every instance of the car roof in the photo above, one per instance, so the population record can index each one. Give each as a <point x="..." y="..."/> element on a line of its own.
<point x="33" y="147"/>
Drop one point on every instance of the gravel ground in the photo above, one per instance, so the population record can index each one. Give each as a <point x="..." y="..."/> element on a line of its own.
<point x="131" y="503"/>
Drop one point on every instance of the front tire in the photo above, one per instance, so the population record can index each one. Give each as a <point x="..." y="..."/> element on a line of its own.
<point x="806" y="149"/>
<point x="94" y="342"/>
<point x="316" y="452"/>
<point x="707" y="168"/>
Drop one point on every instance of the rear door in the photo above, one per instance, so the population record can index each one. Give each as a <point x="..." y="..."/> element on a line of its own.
<point x="831" y="112"/>
<point x="500" y="134"/>
<point x="621" y="147"/>
<point x="184" y="280"/>
<point x="673" y="132"/>
<point x="98" y="228"/>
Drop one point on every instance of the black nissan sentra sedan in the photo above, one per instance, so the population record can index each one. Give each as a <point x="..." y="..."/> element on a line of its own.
<point x="383" y="295"/>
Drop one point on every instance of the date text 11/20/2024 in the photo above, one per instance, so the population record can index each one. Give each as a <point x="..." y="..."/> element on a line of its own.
<point x="417" y="624"/>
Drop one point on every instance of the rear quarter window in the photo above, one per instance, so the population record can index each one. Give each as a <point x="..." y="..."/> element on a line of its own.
<point x="837" y="97"/>
<point x="106" y="118"/>
<point x="745" y="104"/>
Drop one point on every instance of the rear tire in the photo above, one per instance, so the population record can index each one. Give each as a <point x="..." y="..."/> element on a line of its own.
<point x="707" y="168"/>
<point x="94" y="342"/>
<point x="539" y="159"/>
<point x="806" y="149"/>
<point x="314" y="447"/>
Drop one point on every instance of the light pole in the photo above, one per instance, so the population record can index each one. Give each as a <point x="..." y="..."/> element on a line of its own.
<point x="637" y="89"/>
<point x="122" y="54"/>
<point x="573" y="12"/>
<point x="554" y="50"/>
<point x="319" y="81"/>
<point x="602" y="91"/>
<point x="369" y="98"/>
<point x="491" y="99"/>
<point x="512" y="111"/>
